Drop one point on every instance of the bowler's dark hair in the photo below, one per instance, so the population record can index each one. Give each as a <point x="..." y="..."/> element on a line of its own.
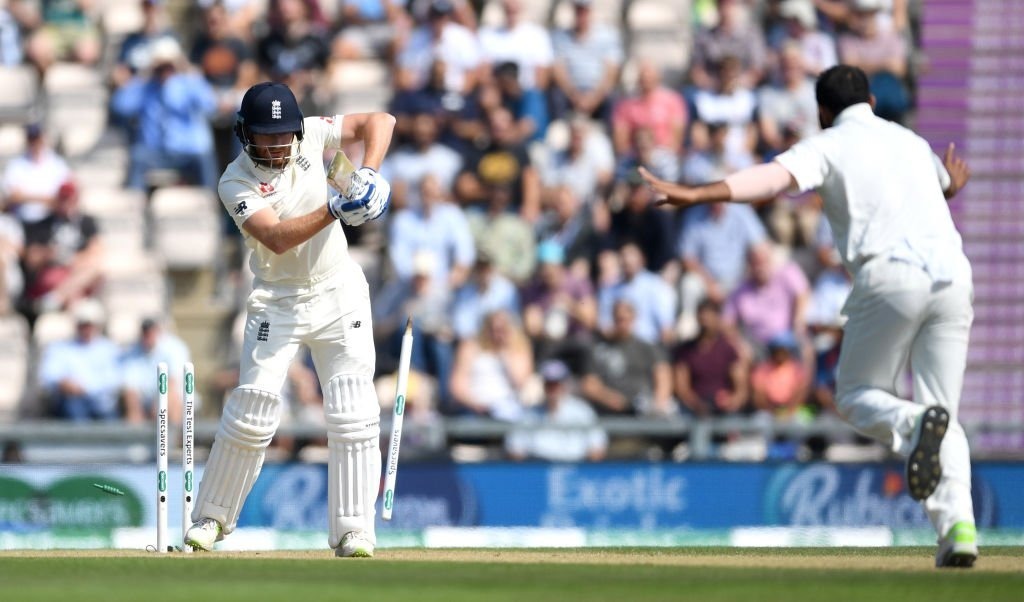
<point x="840" y="87"/>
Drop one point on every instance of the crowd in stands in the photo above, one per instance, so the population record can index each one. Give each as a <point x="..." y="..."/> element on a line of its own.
<point x="546" y="287"/>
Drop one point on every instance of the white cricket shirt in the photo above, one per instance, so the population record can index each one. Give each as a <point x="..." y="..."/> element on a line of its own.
<point x="246" y="188"/>
<point x="882" y="188"/>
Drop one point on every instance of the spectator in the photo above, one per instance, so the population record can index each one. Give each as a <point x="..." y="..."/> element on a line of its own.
<point x="229" y="67"/>
<point x="440" y="39"/>
<point x="138" y="365"/>
<point x="459" y="121"/>
<point x="655" y="108"/>
<point x="713" y="245"/>
<point x="438" y="227"/>
<point x="169" y="112"/>
<point x="731" y="103"/>
<point x="586" y="165"/>
<point x="67" y="33"/>
<point x="573" y="227"/>
<point x="370" y="29"/>
<point x="779" y="383"/>
<point x="716" y="160"/>
<point x="652" y="300"/>
<point x="63" y="256"/>
<point x="135" y="56"/>
<point x="878" y="50"/>
<point x="711" y="376"/>
<point x="642" y="223"/>
<point x="492" y="371"/>
<point x="429" y="302"/>
<point x="626" y="375"/>
<point x="771" y="301"/>
<point x="791" y="104"/>
<point x="559" y="308"/>
<point x="294" y="51"/>
<point x="734" y="36"/>
<point x="587" y="66"/>
<point x="509" y="237"/>
<point x="80" y="376"/>
<point x="817" y="48"/>
<point x="563" y="429"/>
<point x="12" y="22"/>
<point x="525" y="44"/>
<point x="31" y="180"/>
<point x="528" y="105"/>
<point x="486" y="291"/>
<point x="12" y="250"/>
<point x="503" y="163"/>
<point x="406" y="167"/>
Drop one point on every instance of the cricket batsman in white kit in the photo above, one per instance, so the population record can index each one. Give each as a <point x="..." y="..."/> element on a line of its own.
<point x="884" y="194"/>
<point x="307" y="290"/>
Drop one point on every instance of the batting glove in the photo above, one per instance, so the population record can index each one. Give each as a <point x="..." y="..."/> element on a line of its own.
<point x="368" y="198"/>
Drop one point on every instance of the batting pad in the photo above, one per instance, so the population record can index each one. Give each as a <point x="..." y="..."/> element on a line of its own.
<point x="353" y="469"/>
<point x="250" y="419"/>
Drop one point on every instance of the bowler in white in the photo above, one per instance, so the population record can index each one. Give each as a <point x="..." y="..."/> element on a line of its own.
<point x="884" y="193"/>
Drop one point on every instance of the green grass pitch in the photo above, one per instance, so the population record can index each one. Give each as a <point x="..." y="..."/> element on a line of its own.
<point x="619" y="574"/>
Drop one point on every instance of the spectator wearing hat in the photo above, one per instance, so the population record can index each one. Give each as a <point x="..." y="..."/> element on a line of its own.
<point x="138" y="365"/>
<point x="31" y="180"/>
<point x="486" y="291"/>
<point x="563" y="428"/>
<point x="626" y="375"/>
<point x="440" y="39"/>
<point x="779" y="383"/>
<point x="168" y="112"/>
<point x="63" y="255"/>
<point x="586" y="67"/>
<point x="80" y="376"/>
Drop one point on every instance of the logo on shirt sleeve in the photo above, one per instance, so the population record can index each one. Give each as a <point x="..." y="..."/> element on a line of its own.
<point x="241" y="208"/>
<point x="264" y="331"/>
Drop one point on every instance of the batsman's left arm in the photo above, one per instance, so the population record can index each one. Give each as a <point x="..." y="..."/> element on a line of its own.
<point x="374" y="130"/>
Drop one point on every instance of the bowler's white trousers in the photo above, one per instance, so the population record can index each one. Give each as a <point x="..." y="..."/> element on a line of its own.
<point x="895" y="313"/>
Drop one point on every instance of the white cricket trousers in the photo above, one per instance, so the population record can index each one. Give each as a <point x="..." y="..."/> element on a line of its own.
<point x="895" y="313"/>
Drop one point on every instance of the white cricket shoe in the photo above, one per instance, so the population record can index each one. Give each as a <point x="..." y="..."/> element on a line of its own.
<point x="203" y="534"/>
<point x="354" y="544"/>
<point x="923" y="467"/>
<point x="959" y="548"/>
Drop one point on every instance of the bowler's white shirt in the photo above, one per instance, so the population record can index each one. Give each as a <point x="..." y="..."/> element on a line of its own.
<point x="245" y="188"/>
<point x="882" y="188"/>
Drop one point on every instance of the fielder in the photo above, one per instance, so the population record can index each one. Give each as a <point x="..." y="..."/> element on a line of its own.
<point x="307" y="290"/>
<point x="883" y="191"/>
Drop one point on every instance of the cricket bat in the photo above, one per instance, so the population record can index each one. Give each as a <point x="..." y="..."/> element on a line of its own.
<point x="339" y="173"/>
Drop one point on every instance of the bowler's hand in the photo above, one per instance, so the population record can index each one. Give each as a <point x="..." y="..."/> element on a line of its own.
<point x="666" y="193"/>
<point x="959" y="173"/>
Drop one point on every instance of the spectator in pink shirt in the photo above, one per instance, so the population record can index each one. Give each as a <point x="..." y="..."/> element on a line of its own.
<point x="654" y="107"/>
<point x="772" y="300"/>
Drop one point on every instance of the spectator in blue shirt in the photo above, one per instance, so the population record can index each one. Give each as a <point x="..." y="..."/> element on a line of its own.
<point x="713" y="246"/>
<point x="138" y="368"/>
<point x="487" y="291"/>
<point x="652" y="299"/>
<point x="169" y="112"/>
<point x="437" y="226"/>
<point x="80" y="376"/>
<point x="527" y="105"/>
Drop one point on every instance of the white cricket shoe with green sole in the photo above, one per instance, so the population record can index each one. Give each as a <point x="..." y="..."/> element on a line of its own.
<point x="354" y="545"/>
<point x="203" y="534"/>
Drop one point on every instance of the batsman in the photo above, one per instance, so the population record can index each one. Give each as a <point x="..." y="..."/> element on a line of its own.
<point x="307" y="290"/>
